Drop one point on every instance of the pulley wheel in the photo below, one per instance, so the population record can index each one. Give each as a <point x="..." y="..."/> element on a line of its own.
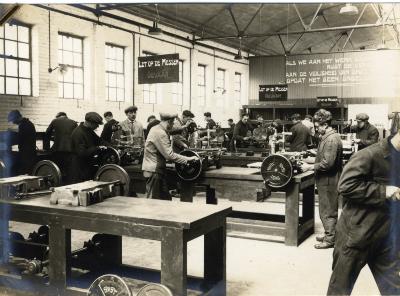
<point x="48" y="168"/>
<point x="113" y="172"/>
<point x="154" y="290"/>
<point x="276" y="170"/>
<point x="109" y="285"/>
<point x="191" y="170"/>
<point x="109" y="156"/>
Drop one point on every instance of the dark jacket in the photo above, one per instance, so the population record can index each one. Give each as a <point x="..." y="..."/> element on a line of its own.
<point x="61" y="128"/>
<point x="328" y="162"/>
<point x="367" y="215"/>
<point x="369" y="135"/>
<point x="107" y="132"/>
<point x="85" y="144"/>
<point x="300" y="137"/>
<point x="211" y="124"/>
<point x="240" y="130"/>
<point x="26" y="141"/>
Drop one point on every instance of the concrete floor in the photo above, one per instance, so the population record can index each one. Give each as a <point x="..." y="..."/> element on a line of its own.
<point x="254" y="268"/>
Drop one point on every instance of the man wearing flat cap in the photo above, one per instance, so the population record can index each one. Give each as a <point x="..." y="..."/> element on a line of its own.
<point x="157" y="151"/>
<point x="182" y="130"/>
<point x="85" y="144"/>
<point x="26" y="141"/>
<point x="131" y="129"/>
<point x="366" y="133"/>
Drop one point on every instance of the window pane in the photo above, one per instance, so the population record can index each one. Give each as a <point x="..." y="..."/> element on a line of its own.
<point x="60" y="77"/>
<point x="11" y="48"/>
<point x="107" y="50"/>
<point x="78" y="91"/>
<point x="60" y="57"/>
<point x="119" y="67"/>
<point x="1" y="46"/>
<point x="119" y="54"/>
<point x="69" y="76"/>
<point x="1" y="83"/>
<point x="78" y="76"/>
<point x="77" y="43"/>
<point x="1" y="31"/>
<point x="11" y="31"/>
<point x="23" y="34"/>
<point x="120" y="94"/>
<point x="111" y="65"/>
<point x="77" y="59"/>
<point x="120" y="81"/>
<point x="67" y="43"/>
<point x="60" y="89"/>
<point x="1" y="66"/>
<point x="67" y="57"/>
<point x="25" y="87"/>
<point x="11" y="86"/>
<point x="112" y="94"/>
<point x="68" y="90"/>
<point x="112" y="80"/>
<point x="60" y="38"/>
<point x="106" y="77"/>
<point x="146" y="97"/>
<point x="23" y="50"/>
<point x="111" y="52"/>
<point x="11" y="67"/>
<point x="24" y="69"/>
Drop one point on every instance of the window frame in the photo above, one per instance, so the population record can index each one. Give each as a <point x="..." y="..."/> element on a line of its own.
<point x="68" y="35"/>
<point x="202" y="86"/>
<point x="107" y="86"/>
<point x="223" y="80"/>
<point x="238" y="92"/>
<point x="178" y="86"/>
<point x="152" y="87"/>
<point x="17" y="58"/>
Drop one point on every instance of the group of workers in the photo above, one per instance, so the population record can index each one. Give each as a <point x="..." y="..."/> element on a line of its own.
<point x="368" y="229"/>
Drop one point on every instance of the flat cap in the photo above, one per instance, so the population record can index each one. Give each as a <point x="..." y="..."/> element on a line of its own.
<point x="362" y="116"/>
<point x="132" y="109"/>
<point x="188" y="113"/>
<point x="94" y="117"/>
<point x="14" y="115"/>
<point x="167" y="116"/>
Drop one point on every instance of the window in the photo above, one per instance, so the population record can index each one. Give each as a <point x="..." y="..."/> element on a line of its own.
<point x="238" y="87"/>
<point x="177" y="88"/>
<point x="220" y="80"/>
<point x="70" y="58"/>
<point x="201" y="84"/>
<point x="115" y="73"/>
<point x="150" y="91"/>
<point x="15" y="60"/>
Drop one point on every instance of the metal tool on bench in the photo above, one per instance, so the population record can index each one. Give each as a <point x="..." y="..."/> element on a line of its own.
<point x="278" y="169"/>
<point x="45" y="175"/>
<point x="110" y="285"/>
<point x="206" y="158"/>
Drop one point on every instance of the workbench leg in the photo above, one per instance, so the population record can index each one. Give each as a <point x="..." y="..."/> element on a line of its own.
<point x="215" y="260"/>
<point x="292" y="215"/>
<point x="59" y="255"/>
<point x="4" y="234"/>
<point x="187" y="191"/>
<point x="113" y="254"/>
<point x="210" y="196"/>
<point x="309" y="204"/>
<point x="174" y="260"/>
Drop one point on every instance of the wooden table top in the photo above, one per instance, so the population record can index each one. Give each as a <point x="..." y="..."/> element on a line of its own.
<point x="127" y="209"/>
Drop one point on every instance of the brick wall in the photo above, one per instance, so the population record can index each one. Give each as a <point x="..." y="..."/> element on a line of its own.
<point x="45" y="103"/>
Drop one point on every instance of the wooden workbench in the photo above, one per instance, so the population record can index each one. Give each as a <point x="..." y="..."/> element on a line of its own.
<point x="172" y="223"/>
<point x="241" y="188"/>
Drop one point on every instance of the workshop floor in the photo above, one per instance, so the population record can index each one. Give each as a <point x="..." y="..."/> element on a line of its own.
<point x="254" y="268"/>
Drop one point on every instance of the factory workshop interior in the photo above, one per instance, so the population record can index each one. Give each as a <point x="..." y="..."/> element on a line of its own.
<point x="208" y="148"/>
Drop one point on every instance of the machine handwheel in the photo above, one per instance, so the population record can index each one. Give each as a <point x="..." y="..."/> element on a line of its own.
<point x="108" y="156"/>
<point x="276" y="170"/>
<point x="109" y="285"/>
<point x="113" y="172"/>
<point x="47" y="168"/>
<point x="190" y="171"/>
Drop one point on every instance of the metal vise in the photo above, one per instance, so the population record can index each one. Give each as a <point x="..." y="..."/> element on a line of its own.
<point x="206" y="158"/>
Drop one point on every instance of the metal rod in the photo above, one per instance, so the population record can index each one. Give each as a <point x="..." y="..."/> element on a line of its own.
<point x="315" y="16"/>
<point x="295" y="43"/>
<point x="298" y="14"/>
<point x="234" y="19"/>
<point x="252" y="19"/>
<point x="351" y="32"/>
<point x="283" y="45"/>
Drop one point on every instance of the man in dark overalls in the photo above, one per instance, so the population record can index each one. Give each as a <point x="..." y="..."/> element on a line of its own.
<point x="368" y="231"/>
<point x="327" y="167"/>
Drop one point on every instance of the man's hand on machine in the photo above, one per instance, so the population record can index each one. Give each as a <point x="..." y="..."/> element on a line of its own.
<point x="393" y="192"/>
<point x="102" y="147"/>
<point x="191" y="159"/>
<point x="305" y="167"/>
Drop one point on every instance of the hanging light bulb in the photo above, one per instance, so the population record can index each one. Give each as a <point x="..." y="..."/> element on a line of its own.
<point x="239" y="54"/>
<point x="349" y="9"/>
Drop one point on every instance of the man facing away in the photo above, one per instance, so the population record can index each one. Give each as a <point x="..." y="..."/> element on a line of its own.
<point x="300" y="135"/>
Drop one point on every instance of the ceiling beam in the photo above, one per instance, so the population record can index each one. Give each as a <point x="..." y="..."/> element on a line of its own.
<point x="329" y="29"/>
<point x="283" y="45"/>
<point x="337" y="40"/>
<point x="299" y="15"/>
<point x="295" y="43"/>
<point x="352" y="30"/>
<point x="315" y="16"/>
<point x="234" y="19"/>
<point x="202" y="25"/>
<point x="252" y="19"/>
